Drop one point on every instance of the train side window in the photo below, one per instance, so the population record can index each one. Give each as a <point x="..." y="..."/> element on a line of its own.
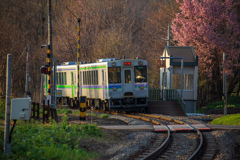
<point x="61" y="78"/>
<point x="91" y="74"/>
<point x="83" y="77"/>
<point x="65" y="78"/>
<point x="57" y="81"/>
<point x="114" y="75"/>
<point x="88" y="78"/>
<point x="96" y="77"/>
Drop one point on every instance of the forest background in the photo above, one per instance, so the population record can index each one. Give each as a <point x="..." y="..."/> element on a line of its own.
<point x="109" y="29"/>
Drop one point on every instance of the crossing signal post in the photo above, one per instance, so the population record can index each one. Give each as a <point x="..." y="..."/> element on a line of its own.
<point x="83" y="108"/>
<point x="78" y="53"/>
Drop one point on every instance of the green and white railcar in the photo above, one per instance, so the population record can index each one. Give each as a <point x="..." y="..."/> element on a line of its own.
<point x="115" y="84"/>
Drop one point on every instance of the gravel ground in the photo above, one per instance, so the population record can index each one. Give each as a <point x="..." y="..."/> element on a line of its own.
<point x="135" y="142"/>
<point x="228" y="144"/>
<point x="125" y="144"/>
<point x="228" y="141"/>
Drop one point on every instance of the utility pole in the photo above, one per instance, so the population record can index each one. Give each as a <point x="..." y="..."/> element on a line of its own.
<point x="224" y="87"/>
<point x="7" y="144"/>
<point x="78" y="54"/>
<point x="27" y="71"/>
<point x="168" y="40"/>
<point x="164" y="73"/>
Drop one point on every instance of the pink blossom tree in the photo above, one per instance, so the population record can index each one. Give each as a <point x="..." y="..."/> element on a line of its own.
<point x="211" y="27"/>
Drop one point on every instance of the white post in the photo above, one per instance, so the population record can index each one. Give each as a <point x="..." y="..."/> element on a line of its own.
<point x="27" y="71"/>
<point x="7" y="144"/>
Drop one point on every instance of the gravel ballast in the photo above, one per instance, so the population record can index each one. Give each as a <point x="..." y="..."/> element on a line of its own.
<point x="227" y="141"/>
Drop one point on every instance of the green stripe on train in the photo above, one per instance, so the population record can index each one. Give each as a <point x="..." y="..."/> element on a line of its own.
<point x="64" y="86"/>
<point x="93" y="67"/>
<point x="91" y="88"/>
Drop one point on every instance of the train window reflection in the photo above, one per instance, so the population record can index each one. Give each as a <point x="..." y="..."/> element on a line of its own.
<point x="114" y="75"/>
<point x="140" y="73"/>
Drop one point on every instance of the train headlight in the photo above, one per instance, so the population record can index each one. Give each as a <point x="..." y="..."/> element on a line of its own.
<point x="141" y="88"/>
<point x="114" y="88"/>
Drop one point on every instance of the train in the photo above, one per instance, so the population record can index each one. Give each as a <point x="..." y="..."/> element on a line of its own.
<point x="108" y="84"/>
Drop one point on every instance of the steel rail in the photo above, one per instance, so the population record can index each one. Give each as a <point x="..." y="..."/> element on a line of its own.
<point x="164" y="145"/>
<point x="200" y="145"/>
<point x="160" y="149"/>
<point x="181" y="122"/>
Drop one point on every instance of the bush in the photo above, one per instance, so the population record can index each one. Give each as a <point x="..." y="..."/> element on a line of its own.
<point x="231" y="101"/>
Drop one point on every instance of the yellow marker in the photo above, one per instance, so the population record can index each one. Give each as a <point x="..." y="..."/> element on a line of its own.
<point x="83" y="108"/>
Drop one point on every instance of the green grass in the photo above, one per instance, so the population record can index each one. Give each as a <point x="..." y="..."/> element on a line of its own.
<point x="233" y="119"/>
<point x="104" y="116"/>
<point x="51" y="141"/>
<point x="2" y="109"/>
<point x="64" y="111"/>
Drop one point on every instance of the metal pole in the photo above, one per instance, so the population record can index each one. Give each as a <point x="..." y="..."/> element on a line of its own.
<point x="27" y="72"/>
<point x="78" y="52"/>
<point x="170" y="83"/>
<point x="224" y="87"/>
<point x="7" y="144"/>
<point x="42" y="76"/>
<point x="168" y="40"/>
<point x="55" y="87"/>
<point x="181" y="77"/>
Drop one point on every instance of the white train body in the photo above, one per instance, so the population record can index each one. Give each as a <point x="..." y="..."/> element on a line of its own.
<point x="115" y="84"/>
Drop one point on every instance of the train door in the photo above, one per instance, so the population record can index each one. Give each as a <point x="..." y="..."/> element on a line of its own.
<point x="128" y="85"/>
<point x="72" y="84"/>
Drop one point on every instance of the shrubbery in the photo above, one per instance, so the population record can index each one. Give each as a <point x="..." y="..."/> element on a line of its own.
<point x="232" y="102"/>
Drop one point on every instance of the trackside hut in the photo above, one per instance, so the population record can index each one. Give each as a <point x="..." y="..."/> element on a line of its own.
<point x="190" y="74"/>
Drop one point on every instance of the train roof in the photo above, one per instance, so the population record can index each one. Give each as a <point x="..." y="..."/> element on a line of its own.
<point x="99" y="62"/>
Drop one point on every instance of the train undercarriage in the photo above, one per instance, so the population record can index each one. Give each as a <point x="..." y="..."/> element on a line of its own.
<point x="128" y="104"/>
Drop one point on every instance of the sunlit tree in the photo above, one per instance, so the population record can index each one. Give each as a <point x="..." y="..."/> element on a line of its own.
<point x="211" y="27"/>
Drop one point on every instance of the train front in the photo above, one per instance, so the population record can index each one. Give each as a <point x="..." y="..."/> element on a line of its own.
<point x="128" y="85"/>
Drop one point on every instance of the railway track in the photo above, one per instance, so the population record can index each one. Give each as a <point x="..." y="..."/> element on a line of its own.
<point x="169" y="145"/>
<point x="174" y="141"/>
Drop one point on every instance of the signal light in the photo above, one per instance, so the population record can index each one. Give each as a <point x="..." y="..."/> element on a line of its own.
<point x="44" y="70"/>
<point x="127" y="63"/>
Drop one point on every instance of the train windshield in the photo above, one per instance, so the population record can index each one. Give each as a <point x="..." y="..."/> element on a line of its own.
<point x="114" y="75"/>
<point x="140" y="73"/>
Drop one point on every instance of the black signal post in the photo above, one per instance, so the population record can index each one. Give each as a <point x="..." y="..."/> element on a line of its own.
<point x="78" y="54"/>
